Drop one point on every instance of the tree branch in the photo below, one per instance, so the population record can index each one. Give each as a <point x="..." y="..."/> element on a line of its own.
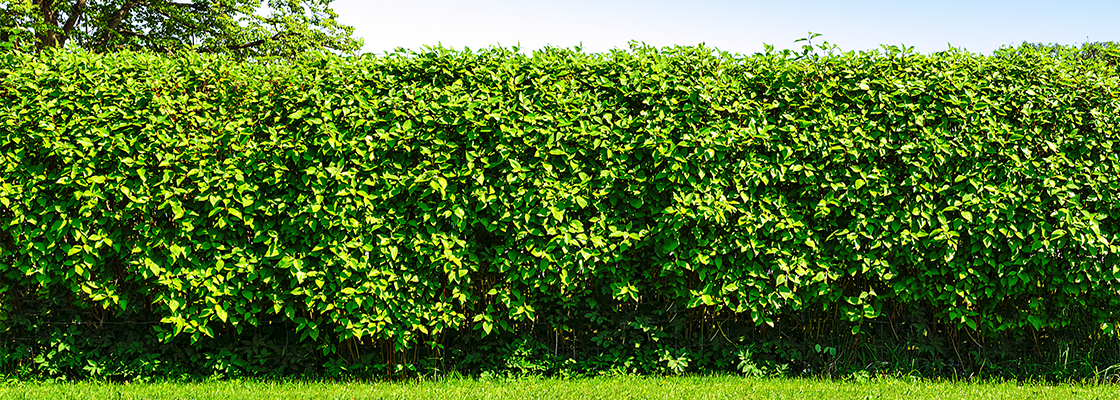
<point x="115" y="22"/>
<point x="120" y="14"/>
<point x="258" y="42"/>
<point x="196" y="6"/>
<point x="181" y="21"/>
<point x="46" y="9"/>
<point x="75" y="11"/>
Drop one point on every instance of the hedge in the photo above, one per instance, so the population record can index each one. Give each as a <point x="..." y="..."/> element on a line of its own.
<point x="640" y="195"/>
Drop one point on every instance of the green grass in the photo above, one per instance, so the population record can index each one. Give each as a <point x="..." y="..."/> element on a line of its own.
<point x="716" y="387"/>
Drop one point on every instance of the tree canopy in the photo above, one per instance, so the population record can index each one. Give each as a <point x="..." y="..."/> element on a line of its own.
<point x="244" y="28"/>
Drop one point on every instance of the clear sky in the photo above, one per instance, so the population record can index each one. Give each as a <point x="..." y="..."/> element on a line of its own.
<point x="735" y="26"/>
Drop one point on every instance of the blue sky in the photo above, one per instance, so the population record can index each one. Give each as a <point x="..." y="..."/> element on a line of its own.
<point x="734" y="26"/>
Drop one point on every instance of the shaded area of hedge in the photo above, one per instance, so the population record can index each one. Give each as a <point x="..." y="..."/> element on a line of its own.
<point x="649" y="210"/>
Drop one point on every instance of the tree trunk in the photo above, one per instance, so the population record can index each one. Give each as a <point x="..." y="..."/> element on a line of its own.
<point x="50" y="17"/>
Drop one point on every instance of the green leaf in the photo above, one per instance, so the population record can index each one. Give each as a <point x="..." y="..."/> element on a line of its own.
<point x="176" y="208"/>
<point x="970" y="322"/>
<point x="1035" y="321"/>
<point x="221" y="312"/>
<point x="669" y="244"/>
<point x="155" y="269"/>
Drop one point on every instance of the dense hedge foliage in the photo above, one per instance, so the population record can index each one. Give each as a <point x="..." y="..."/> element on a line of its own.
<point x="683" y="199"/>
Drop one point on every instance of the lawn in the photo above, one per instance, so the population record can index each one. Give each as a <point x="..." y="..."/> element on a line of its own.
<point x="714" y="387"/>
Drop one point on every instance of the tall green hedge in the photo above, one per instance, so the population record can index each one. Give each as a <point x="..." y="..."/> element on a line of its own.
<point x="423" y="197"/>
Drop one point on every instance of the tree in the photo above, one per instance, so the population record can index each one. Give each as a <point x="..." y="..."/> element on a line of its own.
<point x="240" y="27"/>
